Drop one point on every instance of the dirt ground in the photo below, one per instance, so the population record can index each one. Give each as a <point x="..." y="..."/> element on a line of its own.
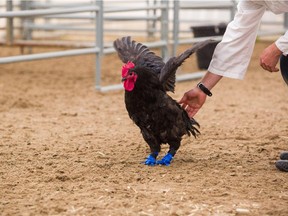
<point x="67" y="149"/>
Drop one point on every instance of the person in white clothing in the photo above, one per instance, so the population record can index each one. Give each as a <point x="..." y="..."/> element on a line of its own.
<point x="232" y="55"/>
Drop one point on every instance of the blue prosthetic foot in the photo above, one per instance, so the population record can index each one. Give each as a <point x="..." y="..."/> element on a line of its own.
<point x="151" y="159"/>
<point x="166" y="160"/>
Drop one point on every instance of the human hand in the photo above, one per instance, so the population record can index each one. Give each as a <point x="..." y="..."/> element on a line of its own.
<point x="193" y="100"/>
<point x="270" y="57"/>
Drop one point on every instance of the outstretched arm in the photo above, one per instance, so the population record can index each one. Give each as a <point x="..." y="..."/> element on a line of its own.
<point x="194" y="99"/>
<point x="232" y="55"/>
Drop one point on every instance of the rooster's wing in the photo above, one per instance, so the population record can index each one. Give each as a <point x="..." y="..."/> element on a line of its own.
<point x="167" y="74"/>
<point x="139" y="54"/>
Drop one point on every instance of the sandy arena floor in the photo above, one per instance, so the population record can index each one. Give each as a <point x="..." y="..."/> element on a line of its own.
<point x="67" y="149"/>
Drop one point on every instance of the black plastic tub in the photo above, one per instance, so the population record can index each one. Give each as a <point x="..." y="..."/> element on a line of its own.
<point x="204" y="55"/>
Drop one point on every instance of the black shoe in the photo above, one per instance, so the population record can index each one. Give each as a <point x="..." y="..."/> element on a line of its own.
<point x="284" y="155"/>
<point x="282" y="165"/>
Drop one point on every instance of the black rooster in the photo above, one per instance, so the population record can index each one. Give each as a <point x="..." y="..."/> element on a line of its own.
<point x="146" y="79"/>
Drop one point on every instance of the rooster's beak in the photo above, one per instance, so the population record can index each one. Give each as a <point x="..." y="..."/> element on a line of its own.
<point x="123" y="79"/>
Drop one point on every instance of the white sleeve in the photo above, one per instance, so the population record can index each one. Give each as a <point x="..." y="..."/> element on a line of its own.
<point x="232" y="55"/>
<point x="282" y="43"/>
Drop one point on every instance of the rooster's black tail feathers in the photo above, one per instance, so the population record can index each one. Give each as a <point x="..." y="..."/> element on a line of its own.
<point x="191" y="129"/>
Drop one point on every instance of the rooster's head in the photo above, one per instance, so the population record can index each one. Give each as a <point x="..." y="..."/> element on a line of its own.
<point x="129" y="77"/>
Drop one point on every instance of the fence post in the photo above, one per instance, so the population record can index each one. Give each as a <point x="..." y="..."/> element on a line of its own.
<point x="9" y="24"/>
<point x="165" y="28"/>
<point x="286" y="21"/>
<point x="151" y="24"/>
<point x="176" y="8"/>
<point x="233" y="9"/>
<point x="99" y="42"/>
<point x="25" y="23"/>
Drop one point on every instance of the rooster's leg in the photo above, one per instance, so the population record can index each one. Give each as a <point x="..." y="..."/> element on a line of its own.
<point x="166" y="160"/>
<point x="154" y="148"/>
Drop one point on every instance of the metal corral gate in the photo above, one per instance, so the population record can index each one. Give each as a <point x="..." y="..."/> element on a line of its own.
<point x="98" y="10"/>
<point x="99" y="49"/>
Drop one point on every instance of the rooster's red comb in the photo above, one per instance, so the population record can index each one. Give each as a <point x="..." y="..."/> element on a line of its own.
<point x="126" y="68"/>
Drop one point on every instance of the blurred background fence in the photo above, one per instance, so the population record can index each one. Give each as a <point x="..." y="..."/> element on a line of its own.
<point x="90" y="27"/>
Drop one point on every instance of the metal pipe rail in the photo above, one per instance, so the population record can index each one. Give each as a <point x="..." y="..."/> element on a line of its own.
<point x="57" y="54"/>
<point x="71" y="28"/>
<point x="108" y="18"/>
<point x="218" y="5"/>
<point x="179" y="78"/>
<point x="54" y="43"/>
<point x="45" y="5"/>
<point x="35" y="13"/>
<point x="62" y="27"/>
<point x="153" y="7"/>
